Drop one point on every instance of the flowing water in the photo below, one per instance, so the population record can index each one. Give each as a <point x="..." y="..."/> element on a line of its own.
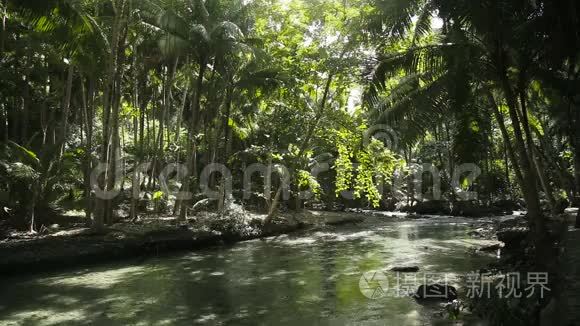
<point x="307" y="278"/>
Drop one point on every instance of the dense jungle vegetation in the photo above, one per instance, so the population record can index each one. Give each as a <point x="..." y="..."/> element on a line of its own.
<point x="112" y="111"/>
<point x="493" y="83"/>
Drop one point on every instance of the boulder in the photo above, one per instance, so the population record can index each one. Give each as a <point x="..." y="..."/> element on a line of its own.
<point x="467" y="208"/>
<point x="436" y="292"/>
<point x="205" y="205"/>
<point x="507" y="205"/>
<point x="343" y="219"/>
<point x="513" y="237"/>
<point x="431" y="207"/>
<point x="476" y="233"/>
<point x="561" y="205"/>
<point x="475" y="209"/>
<point x="405" y="269"/>
<point x="512" y="222"/>
<point x="388" y="204"/>
<point x="487" y="232"/>
<point x="493" y="248"/>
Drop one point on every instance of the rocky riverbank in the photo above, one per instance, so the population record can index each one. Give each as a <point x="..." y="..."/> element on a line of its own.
<point x="518" y="260"/>
<point x="128" y="240"/>
<point x="58" y="248"/>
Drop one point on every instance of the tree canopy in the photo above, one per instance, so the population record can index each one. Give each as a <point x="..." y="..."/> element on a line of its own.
<point x="484" y="93"/>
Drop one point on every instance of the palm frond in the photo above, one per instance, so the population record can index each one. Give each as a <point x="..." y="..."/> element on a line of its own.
<point x="423" y="23"/>
<point x="394" y="18"/>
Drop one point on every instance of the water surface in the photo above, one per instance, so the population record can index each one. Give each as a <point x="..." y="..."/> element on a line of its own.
<point x="308" y="278"/>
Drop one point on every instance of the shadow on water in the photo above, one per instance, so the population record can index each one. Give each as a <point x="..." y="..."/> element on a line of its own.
<point x="301" y="279"/>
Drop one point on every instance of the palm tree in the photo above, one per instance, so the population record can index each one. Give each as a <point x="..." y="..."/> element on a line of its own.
<point x="483" y="52"/>
<point x="69" y="32"/>
<point x="205" y="30"/>
<point x="558" y="68"/>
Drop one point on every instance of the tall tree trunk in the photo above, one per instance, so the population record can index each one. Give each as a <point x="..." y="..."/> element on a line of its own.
<point x="529" y="187"/>
<point x="192" y="141"/>
<point x="226" y="150"/>
<point x="111" y="98"/>
<point x="506" y="163"/>
<point x="25" y="113"/>
<point x="545" y="183"/>
<point x="13" y="119"/>
<point x="3" y="122"/>
<point x="177" y="206"/>
<point x="507" y="142"/>
<point x="182" y="108"/>
<point x="576" y="144"/>
<point x="533" y="153"/>
<point x="136" y="183"/>
<point x="88" y="115"/>
<point x="554" y="163"/>
<point x="66" y="109"/>
<point x="3" y="35"/>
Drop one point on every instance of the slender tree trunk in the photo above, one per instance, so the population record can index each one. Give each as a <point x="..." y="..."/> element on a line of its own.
<point x="135" y="98"/>
<point x="13" y="119"/>
<point x="136" y="183"/>
<point x="112" y="95"/>
<point x="450" y="158"/>
<point x="192" y="141"/>
<point x="555" y="164"/>
<point x="25" y="113"/>
<point x="507" y="164"/>
<point x="3" y="35"/>
<point x="510" y="152"/>
<point x="576" y="144"/>
<point x="66" y="111"/>
<point x="4" y="122"/>
<point x="177" y="206"/>
<point x="88" y="109"/>
<point x="226" y="151"/>
<point x="32" y="205"/>
<point x="529" y="188"/>
<point x="182" y="108"/>
<point x="544" y="181"/>
<point x="533" y="153"/>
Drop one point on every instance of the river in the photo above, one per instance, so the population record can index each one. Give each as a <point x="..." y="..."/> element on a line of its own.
<point x="307" y="278"/>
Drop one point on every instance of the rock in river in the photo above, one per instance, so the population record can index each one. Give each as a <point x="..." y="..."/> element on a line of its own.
<point x="492" y="248"/>
<point x="436" y="292"/>
<point x="405" y="269"/>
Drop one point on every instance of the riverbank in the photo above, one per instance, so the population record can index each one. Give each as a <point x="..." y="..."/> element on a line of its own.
<point x="73" y="246"/>
<point x="254" y="282"/>
<point x="149" y="236"/>
<point x="518" y="260"/>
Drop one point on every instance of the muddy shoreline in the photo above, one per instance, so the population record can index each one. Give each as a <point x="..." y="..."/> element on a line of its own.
<point x="79" y="247"/>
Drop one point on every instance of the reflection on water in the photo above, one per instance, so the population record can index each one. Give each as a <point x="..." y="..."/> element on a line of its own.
<point x="302" y="279"/>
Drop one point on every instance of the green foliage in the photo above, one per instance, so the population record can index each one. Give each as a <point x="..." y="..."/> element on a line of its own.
<point x="377" y="166"/>
<point x="279" y="82"/>
<point x="365" y="170"/>
<point x="158" y="195"/>
<point x="344" y="169"/>
<point x="307" y="181"/>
